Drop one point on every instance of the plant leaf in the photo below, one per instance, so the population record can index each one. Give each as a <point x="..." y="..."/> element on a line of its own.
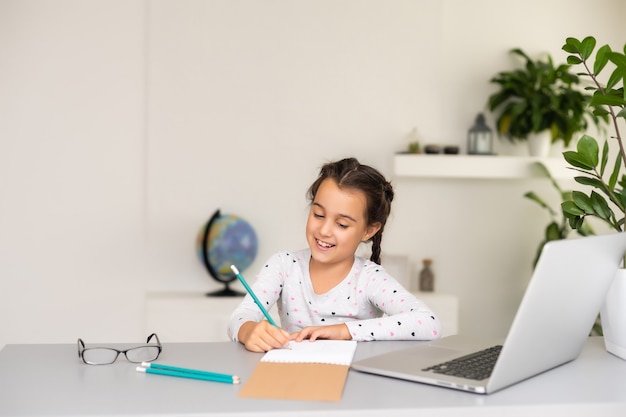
<point x="618" y="59"/>
<point x="574" y="60"/>
<point x="601" y="59"/>
<point x="605" y="157"/>
<point x="583" y="202"/>
<point x="616" y="76"/>
<point x="609" y="100"/>
<point x="572" y="45"/>
<point x="575" y="159"/>
<point x="573" y="221"/>
<point x="570" y="208"/>
<point x="600" y="206"/>
<point x="587" y="46"/>
<point x="593" y="182"/>
<point x="615" y="173"/>
<point x="622" y="194"/>
<point x="587" y="148"/>
<point x="553" y="232"/>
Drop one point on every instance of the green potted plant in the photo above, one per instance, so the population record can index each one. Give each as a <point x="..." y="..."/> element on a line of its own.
<point x="540" y="99"/>
<point x="597" y="169"/>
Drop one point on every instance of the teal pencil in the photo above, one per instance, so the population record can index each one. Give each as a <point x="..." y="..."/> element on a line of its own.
<point x="188" y="370"/>
<point x="215" y="378"/>
<point x="253" y="295"/>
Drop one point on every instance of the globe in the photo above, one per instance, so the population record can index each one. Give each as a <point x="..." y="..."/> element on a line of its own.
<point x="226" y="240"/>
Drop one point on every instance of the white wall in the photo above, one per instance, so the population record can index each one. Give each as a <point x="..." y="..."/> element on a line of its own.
<point x="125" y="124"/>
<point x="71" y="170"/>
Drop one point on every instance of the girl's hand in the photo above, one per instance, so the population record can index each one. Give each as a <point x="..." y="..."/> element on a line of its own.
<point x="332" y="332"/>
<point x="262" y="336"/>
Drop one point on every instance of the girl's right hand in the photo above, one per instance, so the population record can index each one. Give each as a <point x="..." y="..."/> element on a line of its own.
<point x="262" y="336"/>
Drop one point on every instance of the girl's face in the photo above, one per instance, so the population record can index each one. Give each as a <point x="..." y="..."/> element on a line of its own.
<point x="337" y="224"/>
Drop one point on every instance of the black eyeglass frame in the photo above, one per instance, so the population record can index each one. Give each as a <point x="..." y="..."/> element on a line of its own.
<point x="82" y="349"/>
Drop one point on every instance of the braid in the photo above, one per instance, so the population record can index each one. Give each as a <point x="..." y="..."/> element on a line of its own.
<point x="376" y="239"/>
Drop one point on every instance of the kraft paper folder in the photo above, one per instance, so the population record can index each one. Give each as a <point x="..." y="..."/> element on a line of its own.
<point x="310" y="371"/>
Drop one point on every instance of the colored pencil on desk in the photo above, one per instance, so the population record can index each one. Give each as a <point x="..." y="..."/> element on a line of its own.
<point x="190" y="373"/>
<point x="188" y="370"/>
<point x="253" y="295"/>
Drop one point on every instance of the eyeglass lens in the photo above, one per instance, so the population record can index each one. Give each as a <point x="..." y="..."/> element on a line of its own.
<point x="142" y="354"/>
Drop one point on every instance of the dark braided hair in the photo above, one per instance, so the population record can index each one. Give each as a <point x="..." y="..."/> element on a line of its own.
<point x="350" y="173"/>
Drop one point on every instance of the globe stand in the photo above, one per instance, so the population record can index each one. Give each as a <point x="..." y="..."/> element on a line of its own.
<point x="225" y="292"/>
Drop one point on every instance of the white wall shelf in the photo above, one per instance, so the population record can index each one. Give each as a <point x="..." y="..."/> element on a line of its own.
<point x="477" y="166"/>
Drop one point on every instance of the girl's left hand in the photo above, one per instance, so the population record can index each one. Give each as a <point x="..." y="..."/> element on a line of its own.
<point x="332" y="332"/>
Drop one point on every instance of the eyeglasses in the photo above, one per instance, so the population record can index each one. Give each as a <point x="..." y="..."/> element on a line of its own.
<point x="106" y="355"/>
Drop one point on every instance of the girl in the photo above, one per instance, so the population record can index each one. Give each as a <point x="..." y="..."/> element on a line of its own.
<point x="326" y="291"/>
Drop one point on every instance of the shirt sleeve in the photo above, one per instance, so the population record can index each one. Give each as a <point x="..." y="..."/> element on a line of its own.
<point x="405" y="316"/>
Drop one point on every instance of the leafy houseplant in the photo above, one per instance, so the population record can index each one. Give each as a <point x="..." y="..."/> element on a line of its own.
<point x="607" y="198"/>
<point x="540" y="97"/>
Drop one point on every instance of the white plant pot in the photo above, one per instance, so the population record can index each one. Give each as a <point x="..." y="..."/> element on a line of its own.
<point x="613" y="316"/>
<point x="539" y="144"/>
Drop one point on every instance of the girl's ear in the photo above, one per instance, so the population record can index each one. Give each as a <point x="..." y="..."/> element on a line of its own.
<point x="371" y="230"/>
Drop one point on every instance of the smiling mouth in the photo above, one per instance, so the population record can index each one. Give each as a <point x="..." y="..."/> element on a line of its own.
<point x="323" y="244"/>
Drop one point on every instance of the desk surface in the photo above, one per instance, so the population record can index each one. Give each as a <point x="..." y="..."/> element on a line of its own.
<point x="49" y="380"/>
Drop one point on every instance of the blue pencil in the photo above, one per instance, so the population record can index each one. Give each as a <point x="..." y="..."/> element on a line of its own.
<point x="253" y="295"/>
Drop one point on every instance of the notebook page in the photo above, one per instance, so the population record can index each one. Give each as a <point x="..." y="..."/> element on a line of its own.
<point x="334" y="352"/>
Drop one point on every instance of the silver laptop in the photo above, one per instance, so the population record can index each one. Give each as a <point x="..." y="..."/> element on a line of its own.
<point x="562" y="300"/>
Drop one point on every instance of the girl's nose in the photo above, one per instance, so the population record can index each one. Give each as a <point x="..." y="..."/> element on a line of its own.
<point x="325" y="228"/>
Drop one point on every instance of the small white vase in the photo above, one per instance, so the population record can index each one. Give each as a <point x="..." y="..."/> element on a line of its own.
<point x="613" y="316"/>
<point x="539" y="144"/>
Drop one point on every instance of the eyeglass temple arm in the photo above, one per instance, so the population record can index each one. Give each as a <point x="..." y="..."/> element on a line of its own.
<point x="81" y="344"/>
<point x="156" y="337"/>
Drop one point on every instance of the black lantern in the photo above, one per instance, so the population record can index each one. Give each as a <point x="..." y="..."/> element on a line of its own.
<point x="480" y="138"/>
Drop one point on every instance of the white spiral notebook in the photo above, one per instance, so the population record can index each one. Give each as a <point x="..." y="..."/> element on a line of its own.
<point x="334" y="352"/>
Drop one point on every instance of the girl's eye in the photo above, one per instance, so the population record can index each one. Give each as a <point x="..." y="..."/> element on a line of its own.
<point x="318" y="216"/>
<point x="342" y="226"/>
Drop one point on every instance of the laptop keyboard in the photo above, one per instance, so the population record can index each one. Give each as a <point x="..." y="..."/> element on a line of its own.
<point x="476" y="365"/>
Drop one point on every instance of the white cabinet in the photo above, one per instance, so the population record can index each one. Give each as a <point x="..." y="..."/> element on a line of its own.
<point x="190" y="316"/>
<point x="193" y="317"/>
<point x="446" y="306"/>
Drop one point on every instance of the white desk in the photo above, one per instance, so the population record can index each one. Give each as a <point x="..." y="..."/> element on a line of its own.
<point x="193" y="317"/>
<point x="49" y="380"/>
